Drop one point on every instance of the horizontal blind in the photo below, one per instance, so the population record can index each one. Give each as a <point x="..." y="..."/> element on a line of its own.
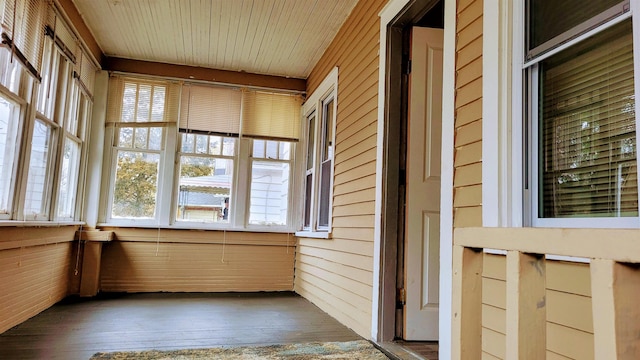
<point x="23" y="21"/>
<point x="63" y="34"/>
<point x="271" y="115"/>
<point x="588" y="157"/>
<point x="210" y="109"/>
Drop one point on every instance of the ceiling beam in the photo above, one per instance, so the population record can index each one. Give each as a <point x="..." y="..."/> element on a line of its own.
<point x="203" y="74"/>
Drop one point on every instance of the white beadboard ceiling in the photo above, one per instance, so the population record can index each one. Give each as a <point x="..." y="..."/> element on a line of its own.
<point x="274" y="37"/>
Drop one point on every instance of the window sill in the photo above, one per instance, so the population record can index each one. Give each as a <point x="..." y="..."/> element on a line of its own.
<point x="194" y="226"/>
<point x="314" y="234"/>
<point x="38" y="223"/>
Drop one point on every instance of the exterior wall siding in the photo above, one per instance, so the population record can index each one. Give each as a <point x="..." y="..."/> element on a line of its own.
<point x="568" y="301"/>
<point x="152" y="260"/>
<point x="467" y="178"/>
<point x="337" y="274"/>
<point x="35" y="271"/>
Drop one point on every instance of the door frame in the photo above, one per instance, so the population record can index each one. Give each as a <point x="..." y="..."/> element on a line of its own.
<point x="396" y="15"/>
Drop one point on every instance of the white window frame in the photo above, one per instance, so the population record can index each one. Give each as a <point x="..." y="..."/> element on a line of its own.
<point x="507" y="191"/>
<point x="326" y="91"/>
<point x="232" y="191"/>
<point x="290" y="204"/>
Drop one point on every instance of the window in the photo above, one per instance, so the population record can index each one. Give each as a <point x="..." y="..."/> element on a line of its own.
<point x="270" y="182"/>
<point x="138" y="147"/>
<point x="228" y="170"/>
<point x="9" y="124"/>
<point x="206" y="177"/>
<point x="320" y="123"/>
<point x="582" y="110"/>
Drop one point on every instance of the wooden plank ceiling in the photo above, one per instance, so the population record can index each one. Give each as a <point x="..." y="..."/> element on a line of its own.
<point x="273" y="37"/>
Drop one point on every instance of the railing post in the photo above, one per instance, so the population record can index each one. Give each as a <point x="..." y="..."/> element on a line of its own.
<point x="466" y="327"/>
<point x="526" y="306"/>
<point x="616" y="315"/>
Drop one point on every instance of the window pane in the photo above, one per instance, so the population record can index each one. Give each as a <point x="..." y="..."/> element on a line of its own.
<point x="188" y="140"/>
<point x="258" y="149"/>
<point x="136" y="185"/>
<point x="129" y="102"/>
<point x="157" y="110"/>
<point x="272" y="150"/>
<point x="229" y="147"/>
<point x="141" y="138"/>
<point x="588" y="142"/>
<point x="269" y="193"/>
<point x="9" y="117"/>
<point x="37" y="180"/>
<point x="69" y="179"/>
<point x="155" y="138"/>
<point x="201" y="144"/>
<point x="215" y="145"/>
<point x="311" y="141"/>
<point x="204" y="189"/>
<point x="325" y="190"/>
<point x="285" y="150"/>
<point x="307" y="200"/>
<point x="125" y="137"/>
<point x="327" y="124"/>
<point x="144" y="103"/>
<point x="550" y="18"/>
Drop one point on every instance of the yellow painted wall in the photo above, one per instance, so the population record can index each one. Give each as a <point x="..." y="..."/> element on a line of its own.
<point x="36" y="271"/>
<point x="151" y="260"/>
<point x="467" y="179"/>
<point x="337" y="274"/>
<point x="569" y="314"/>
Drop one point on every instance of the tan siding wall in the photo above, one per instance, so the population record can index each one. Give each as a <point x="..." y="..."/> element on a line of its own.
<point x="337" y="274"/>
<point x="35" y="271"/>
<point x="569" y="315"/>
<point x="467" y="179"/>
<point x="146" y="260"/>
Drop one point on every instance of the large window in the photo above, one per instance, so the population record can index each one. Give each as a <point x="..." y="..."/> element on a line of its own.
<point x="44" y="110"/>
<point x="138" y="151"/>
<point x="227" y="155"/>
<point x="582" y="113"/>
<point x="320" y="123"/>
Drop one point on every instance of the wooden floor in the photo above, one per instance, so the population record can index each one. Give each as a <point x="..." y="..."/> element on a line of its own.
<point x="78" y="328"/>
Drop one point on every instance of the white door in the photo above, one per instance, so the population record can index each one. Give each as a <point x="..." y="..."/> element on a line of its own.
<point x="422" y="235"/>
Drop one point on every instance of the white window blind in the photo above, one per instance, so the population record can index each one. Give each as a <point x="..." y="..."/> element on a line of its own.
<point x="588" y="141"/>
<point x="23" y="23"/>
<point x="271" y="115"/>
<point x="210" y="109"/>
<point x="139" y="100"/>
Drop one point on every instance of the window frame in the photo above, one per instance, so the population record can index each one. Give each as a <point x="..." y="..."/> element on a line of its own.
<point x="293" y="151"/>
<point x="533" y="137"/>
<point x="326" y="92"/>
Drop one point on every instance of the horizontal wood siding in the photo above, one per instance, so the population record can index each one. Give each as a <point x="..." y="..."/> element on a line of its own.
<point x="37" y="274"/>
<point x="337" y="274"/>
<point x="467" y="179"/>
<point x="568" y="301"/>
<point x="144" y="260"/>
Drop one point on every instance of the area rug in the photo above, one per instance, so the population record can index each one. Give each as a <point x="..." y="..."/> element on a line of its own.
<point x="361" y="350"/>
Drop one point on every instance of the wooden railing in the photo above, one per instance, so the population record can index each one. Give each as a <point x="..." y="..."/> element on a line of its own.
<point x="613" y="257"/>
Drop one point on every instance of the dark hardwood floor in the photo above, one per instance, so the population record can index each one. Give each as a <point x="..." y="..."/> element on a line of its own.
<point x="78" y="328"/>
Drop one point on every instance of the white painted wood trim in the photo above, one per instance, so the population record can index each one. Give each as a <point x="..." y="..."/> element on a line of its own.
<point x="446" y="189"/>
<point x="491" y="94"/>
<point x="501" y="118"/>
<point x="390" y="11"/>
<point x="95" y="148"/>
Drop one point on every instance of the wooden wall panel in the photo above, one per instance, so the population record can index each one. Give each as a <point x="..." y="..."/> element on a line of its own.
<point x="494" y="299"/>
<point x="569" y="308"/>
<point x="33" y="277"/>
<point x="336" y="274"/>
<point x="468" y="115"/>
<point x="144" y="260"/>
